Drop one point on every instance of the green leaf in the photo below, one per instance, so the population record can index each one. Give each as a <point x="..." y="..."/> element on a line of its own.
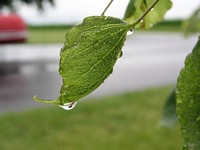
<point x="130" y="10"/>
<point x="169" y="117"/>
<point x="88" y="56"/>
<point x="188" y="99"/>
<point x="192" y="24"/>
<point x="136" y="8"/>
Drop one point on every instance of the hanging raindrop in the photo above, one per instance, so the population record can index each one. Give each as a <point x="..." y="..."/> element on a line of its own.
<point x="130" y="32"/>
<point x="152" y="9"/>
<point x="68" y="106"/>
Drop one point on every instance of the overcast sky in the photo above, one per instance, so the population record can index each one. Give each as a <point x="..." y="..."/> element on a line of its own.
<point x="73" y="11"/>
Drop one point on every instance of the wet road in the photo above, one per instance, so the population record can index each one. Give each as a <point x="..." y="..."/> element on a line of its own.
<point x="148" y="60"/>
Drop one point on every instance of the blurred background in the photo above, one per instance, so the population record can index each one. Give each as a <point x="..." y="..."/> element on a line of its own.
<point x="122" y="113"/>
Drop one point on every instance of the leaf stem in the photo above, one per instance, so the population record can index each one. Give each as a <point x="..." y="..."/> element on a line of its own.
<point x="106" y="8"/>
<point x="144" y="14"/>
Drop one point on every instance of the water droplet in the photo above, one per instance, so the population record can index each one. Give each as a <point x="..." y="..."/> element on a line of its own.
<point x="130" y="32"/>
<point x="142" y="20"/>
<point x="152" y="9"/>
<point x="120" y="54"/>
<point x="198" y="119"/>
<point x="68" y="106"/>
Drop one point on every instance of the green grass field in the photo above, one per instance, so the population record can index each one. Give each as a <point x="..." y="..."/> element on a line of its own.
<point x="128" y="121"/>
<point x="56" y="34"/>
<point x="47" y="34"/>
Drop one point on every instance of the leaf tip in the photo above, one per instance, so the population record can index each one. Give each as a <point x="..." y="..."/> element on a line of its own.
<point x="35" y="98"/>
<point x="55" y="101"/>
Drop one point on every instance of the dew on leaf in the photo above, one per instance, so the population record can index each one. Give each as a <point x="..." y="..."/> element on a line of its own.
<point x="120" y="54"/>
<point x="130" y="32"/>
<point x="73" y="59"/>
<point x="68" y="106"/>
<point x="198" y="119"/>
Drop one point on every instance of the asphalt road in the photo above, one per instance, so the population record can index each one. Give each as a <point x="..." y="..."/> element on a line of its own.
<point x="149" y="59"/>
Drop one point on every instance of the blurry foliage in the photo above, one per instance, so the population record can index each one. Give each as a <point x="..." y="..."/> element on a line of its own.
<point x="11" y="4"/>
<point x="136" y="8"/>
<point x="192" y="24"/>
<point x="169" y="118"/>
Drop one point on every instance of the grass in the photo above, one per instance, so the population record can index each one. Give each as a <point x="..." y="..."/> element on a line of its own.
<point x="56" y="33"/>
<point x="47" y="34"/>
<point x="128" y="121"/>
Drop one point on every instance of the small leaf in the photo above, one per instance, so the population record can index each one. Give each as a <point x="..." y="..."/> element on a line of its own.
<point x="88" y="56"/>
<point x="192" y="25"/>
<point x="188" y="99"/>
<point x="169" y="117"/>
<point x="136" y="8"/>
<point x="130" y="10"/>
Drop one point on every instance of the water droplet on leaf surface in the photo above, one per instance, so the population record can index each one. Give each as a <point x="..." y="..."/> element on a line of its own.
<point x="198" y="119"/>
<point x="120" y="54"/>
<point x="142" y="21"/>
<point x="68" y="106"/>
<point x="130" y="32"/>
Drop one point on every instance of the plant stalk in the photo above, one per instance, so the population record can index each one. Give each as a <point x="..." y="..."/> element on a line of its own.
<point x="106" y="8"/>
